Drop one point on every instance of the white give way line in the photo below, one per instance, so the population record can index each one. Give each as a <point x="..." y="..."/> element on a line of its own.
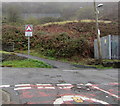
<point x="60" y="86"/>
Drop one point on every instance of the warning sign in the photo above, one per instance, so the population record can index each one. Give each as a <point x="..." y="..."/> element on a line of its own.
<point x="28" y="30"/>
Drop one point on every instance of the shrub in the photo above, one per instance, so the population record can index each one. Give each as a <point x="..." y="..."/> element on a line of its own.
<point x="62" y="45"/>
<point x="58" y="40"/>
<point x="14" y="34"/>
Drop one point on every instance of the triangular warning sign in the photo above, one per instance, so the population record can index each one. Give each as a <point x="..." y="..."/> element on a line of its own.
<point x="28" y="28"/>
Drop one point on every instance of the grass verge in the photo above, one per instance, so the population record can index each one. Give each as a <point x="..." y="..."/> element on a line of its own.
<point x="35" y="53"/>
<point x="4" y="52"/>
<point x="74" y="60"/>
<point x="27" y="63"/>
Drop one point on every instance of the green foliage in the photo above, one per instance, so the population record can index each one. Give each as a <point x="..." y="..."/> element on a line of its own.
<point x="62" y="45"/>
<point x="26" y="63"/>
<point x="66" y="40"/>
<point x="13" y="34"/>
<point x="4" y="52"/>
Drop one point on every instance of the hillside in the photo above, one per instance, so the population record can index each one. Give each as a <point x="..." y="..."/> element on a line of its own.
<point x="64" y="40"/>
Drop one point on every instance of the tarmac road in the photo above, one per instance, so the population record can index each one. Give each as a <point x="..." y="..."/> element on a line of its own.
<point x="61" y="86"/>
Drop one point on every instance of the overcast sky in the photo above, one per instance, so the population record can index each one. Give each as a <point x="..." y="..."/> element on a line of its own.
<point x="59" y="0"/>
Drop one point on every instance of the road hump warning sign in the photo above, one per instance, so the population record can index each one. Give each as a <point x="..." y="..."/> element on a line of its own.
<point x="28" y="28"/>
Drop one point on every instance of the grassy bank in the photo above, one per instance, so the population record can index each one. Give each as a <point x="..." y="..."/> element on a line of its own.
<point x="59" y="39"/>
<point x="27" y="63"/>
<point x="10" y="59"/>
<point x="74" y="60"/>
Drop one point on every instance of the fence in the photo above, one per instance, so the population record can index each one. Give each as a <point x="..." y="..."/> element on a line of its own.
<point x="110" y="47"/>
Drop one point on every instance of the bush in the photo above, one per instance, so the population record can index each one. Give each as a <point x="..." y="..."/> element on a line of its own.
<point x="62" y="45"/>
<point x="12" y="34"/>
<point x="71" y="39"/>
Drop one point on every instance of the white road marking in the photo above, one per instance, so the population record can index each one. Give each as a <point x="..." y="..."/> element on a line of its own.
<point x="63" y="84"/>
<point x="44" y="84"/>
<point x="19" y="85"/>
<point x="80" y="84"/>
<point x="71" y="70"/>
<point x="40" y="87"/>
<point x="58" y="101"/>
<point x="88" y="84"/>
<point x="95" y="87"/>
<point x="69" y="98"/>
<point x="50" y="87"/>
<point x="4" y="86"/>
<point x="22" y="88"/>
<point x="105" y="91"/>
<point x="46" y="87"/>
<point x="65" y="87"/>
<point x="114" y="83"/>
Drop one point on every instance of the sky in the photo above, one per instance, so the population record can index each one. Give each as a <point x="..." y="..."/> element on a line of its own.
<point x="59" y="0"/>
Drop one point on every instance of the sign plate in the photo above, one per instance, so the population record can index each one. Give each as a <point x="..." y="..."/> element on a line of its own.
<point x="28" y="30"/>
<point x="28" y="34"/>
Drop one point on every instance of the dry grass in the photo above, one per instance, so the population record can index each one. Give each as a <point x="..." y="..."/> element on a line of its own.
<point x="75" y="21"/>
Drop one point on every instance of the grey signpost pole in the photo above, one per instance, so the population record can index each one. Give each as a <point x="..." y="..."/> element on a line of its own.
<point x="28" y="45"/>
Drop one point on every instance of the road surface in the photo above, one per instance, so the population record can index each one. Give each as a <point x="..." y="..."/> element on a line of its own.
<point x="61" y="86"/>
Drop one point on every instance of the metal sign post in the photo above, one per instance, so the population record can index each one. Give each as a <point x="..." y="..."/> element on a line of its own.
<point x="28" y="45"/>
<point x="28" y="33"/>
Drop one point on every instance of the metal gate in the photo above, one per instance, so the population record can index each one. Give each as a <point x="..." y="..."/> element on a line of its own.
<point x="110" y="47"/>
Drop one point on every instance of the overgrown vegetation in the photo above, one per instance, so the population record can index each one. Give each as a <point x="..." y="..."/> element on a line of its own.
<point x="61" y="32"/>
<point x="62" y="45"/>
<point x="66" y="40"/>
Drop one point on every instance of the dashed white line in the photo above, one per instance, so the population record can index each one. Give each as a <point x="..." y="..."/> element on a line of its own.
<point x="44" y="84"/>
<point x="19" y="85"/>
<point x="22" y="88"/>
<point x="4" y="86"/>
<point x="71" y="70"/>
<point x="63" y="84"/>
<point x="50" y="87"/>
<point x="65" y="87"/>
<point x="46" y="87"/>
